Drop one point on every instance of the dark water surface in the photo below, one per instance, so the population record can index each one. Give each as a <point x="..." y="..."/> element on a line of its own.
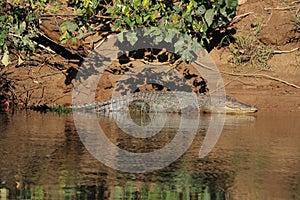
<point x="43" y="157"/>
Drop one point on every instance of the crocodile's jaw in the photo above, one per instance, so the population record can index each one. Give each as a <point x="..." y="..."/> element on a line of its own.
<point x="230" y="110"/>
<point x="233" y="106"/>
<point x="249" y="109"/>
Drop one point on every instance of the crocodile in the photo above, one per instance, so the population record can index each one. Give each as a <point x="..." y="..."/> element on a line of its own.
<point x="167" y="101"/>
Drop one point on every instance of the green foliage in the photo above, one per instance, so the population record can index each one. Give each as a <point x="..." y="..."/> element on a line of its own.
<point x="86" y="7"/>
<point x="196" y="18"/>
<point x="68" y="29"/>
<point x="85" y="10"/>
<point x="296" y="24"/>
<point x="182" y="43"/>
<point x="19" y="22"/>
<point x="20" y="19"/>
<point x="60" y="109"/>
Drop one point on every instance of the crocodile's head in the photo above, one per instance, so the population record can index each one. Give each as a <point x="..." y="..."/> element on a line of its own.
<point x="233" y="106"/>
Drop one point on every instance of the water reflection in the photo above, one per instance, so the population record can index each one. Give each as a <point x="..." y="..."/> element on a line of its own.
<point x="42" y="157"/>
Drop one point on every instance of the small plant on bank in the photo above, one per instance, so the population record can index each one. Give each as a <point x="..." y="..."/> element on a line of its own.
<point x="248" y="49"/>
<point x="60" y="109"/>
<point x="296" y="27"/>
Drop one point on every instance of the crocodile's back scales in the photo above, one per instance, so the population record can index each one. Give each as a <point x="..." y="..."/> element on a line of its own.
<point x="168" y="101"/>
<point x="150" y="101"/>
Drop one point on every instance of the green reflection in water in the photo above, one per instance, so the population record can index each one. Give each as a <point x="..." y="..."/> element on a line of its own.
<point x="180" y="185"/>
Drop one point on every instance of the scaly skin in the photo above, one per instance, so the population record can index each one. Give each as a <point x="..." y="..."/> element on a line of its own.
<point x="166" y="101"/>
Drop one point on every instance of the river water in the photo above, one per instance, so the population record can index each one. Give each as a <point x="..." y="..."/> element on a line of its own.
<point x="47" y="156"/>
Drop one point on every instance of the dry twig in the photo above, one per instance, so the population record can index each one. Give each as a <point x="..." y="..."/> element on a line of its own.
<point x="281" y="8"/>
<point x="239" y="17"/>
<point x="262" y="76"/>
<point x="290" y="51"/>
<point x="252" y="75"/>
<point x="294" y="2"/>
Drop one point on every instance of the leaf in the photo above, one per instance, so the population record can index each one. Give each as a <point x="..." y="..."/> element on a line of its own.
<point x="146" y="18"/>
<point x="126" y="10"/>
<point x="209" y="16"/>
<point x="117" y="24"/>
<point x="231" y="3"/>
<point x="204" y="28"/>
<point x="188" y="56"/>
<point x="146" y="3"/>
<point x="136" y="4"/>
<point x="156" y="31"/>
<point x="128" y="21"/>
<point x="64" y="37"/>
<point x="189" y="7"/>
<point x="153" y="16"/>
<point x="64" y="34"/>
<point x="195" y="45"/>
<point x="131" y="37"/>
<point x="81" y="33"/>
<point x="179" y="46"/>
<point x="73" y="40"/>
<point x="86" y="3"/>
<point x="139" y="19"/>
<point x="169" y="36"/>
<point x="201" y="10"/>
<point x="80" y="11"/>
<point x="120" y="37"/>
<point x="156" y="6"/>
<point x="159" y="38"/>
<point x="70" y="26"/>
<point x="174" y="19"/>
<point x="3" y="38"/>
<point x="110" y="10"/>
<point x="94" y="4"/>
<point x="223" y="11"/>
<point x="20" y="60"/>
<point x="148" y="31"/>
<point x="5" y="59"/>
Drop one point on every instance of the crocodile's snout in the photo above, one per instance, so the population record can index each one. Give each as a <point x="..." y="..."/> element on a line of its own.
<point x="234" y="106"/>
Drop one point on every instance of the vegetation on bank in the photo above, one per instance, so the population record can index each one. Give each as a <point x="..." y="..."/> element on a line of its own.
<point x="61" y="110"/>
<point x="20" y="20"/>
